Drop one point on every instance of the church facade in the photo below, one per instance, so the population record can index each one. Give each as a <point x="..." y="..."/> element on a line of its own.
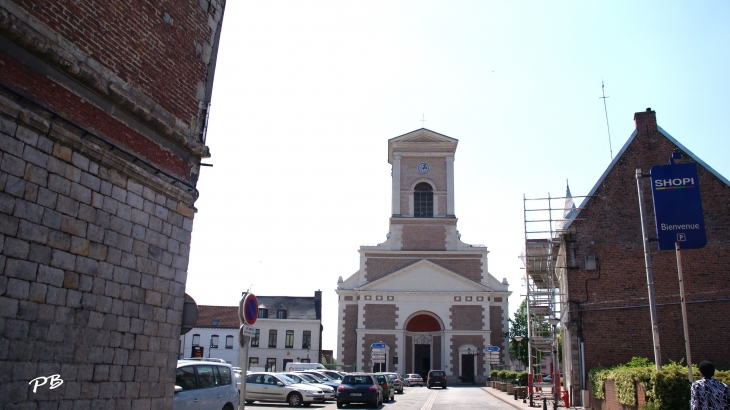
<point x="424" y="296"/>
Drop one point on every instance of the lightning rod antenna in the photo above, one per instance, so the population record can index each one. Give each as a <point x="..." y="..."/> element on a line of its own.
<point x="603" y="91"/>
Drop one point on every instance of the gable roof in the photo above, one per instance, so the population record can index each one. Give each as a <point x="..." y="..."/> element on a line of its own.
<point x="618" y="157"/>
<point x="420" y="136"/>
<point x="297" y="307"/>
<point x="424" y="276"/>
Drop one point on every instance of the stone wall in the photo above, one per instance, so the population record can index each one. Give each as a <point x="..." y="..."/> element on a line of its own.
<point x="94" y="262"/>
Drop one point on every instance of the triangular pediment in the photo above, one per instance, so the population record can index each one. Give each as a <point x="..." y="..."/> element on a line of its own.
<point x="421" y="138"/>
<point x="424" y="276"/>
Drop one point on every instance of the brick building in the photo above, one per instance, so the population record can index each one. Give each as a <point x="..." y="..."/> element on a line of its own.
<point x="605" y="313"/>
<point x="103" y="109"/>
<point x="288" y="329"/>
<point x="423" y="293"/>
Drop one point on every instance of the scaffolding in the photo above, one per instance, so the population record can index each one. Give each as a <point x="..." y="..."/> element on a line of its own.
<point x="544" y="224"/>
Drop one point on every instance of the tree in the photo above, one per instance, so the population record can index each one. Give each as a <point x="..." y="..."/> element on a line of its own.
<point x="518" y="327"/>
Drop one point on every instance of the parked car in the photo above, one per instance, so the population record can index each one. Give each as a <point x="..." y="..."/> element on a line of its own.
<point x="316" y="377"/>
<point x="359" y="388"/>
<point x="205" y="386"/>
<point x="334" y="375"/>
<point x="296" y="366"/>
<point x="413" y="379"/>
<point x="273" y="387"/>
<point x="397" y="382"/>
<point x="206" y="359"/>
<point x="329" y="392"/>
<point x="436" y="378"/>
<point x="387" y="385"/>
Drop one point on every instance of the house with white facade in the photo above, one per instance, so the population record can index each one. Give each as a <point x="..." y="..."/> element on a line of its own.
<point x="288" y="329"/>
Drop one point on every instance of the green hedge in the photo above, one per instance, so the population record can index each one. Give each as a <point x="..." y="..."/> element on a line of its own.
<point x="667" y="389"/>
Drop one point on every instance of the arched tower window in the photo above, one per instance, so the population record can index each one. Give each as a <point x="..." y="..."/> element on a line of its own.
<point x="423" y="201"/>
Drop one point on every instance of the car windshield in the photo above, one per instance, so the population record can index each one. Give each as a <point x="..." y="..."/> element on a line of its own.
<point x="318" y="376"/>
<point x="357" y="380"/>
<point x="307" y="377"/>
<point x="297" y="379"/>
<point x="334" y="375"/>
<point x="286" y="380"/>
<point x="437" y="374"/>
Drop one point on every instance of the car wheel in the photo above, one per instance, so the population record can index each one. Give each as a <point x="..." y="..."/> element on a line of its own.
<point x="340" y="405"/>
<point x="249" y="402"/>
<point x="294" y="400"/>
<point x="228" y="406"/>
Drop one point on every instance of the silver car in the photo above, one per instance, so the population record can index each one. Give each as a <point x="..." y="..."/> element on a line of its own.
<point x="329" y="392"/>
<point x="275" y="387"/>
<point x="204" y="386"/>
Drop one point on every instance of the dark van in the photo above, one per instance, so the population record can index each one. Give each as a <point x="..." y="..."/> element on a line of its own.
<point x="436" y="378"/>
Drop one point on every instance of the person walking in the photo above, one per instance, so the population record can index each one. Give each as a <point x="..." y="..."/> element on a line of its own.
<point x="708" y="393"/>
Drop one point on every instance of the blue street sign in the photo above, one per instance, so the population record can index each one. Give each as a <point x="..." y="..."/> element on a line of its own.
<point x="678" y="206"/>
<point x="491" y="348"/>
<point x="377" y="346"/>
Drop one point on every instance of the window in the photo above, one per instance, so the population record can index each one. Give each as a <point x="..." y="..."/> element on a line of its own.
<point x="255" y="339"/>
<point x="281" y="314"/>
<point x="423" y="201"/>
<point x="229" y="342"/>
<point x="263" y="313"/>
<point x="304" y="360"/>
<point x="185" y="377"/>
<point x="214" y="322"/>
<point x="224" y="375"/>
<point x="271" y="364"/>
<point x="253" y="362"/>
<point x="206" y="376"/>
<point x="307" y="339"/>
<point x="196" y="340"/>
<point x="214" y="341"/>
<point x="272" y="338"/>
<point x="289" y="341"/>
<point x="286" y="361"/>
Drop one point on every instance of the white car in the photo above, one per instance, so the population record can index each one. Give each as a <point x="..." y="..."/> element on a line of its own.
<point x="205" y="386"/>
<point x="275" y="387"/>
<point x="329" y="392"/>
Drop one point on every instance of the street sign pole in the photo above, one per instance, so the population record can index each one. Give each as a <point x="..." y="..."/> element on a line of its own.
<point x="684" y="312"/>
<point x="247" y="313"/>
<point x="649" y="272"/>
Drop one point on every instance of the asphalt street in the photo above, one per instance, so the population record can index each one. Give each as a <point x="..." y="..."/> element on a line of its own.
<point x="421" y="398"/>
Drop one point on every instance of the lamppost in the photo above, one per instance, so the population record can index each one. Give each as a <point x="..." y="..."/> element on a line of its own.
<point x="556" y="382"/>
<point x="518" y="339"/>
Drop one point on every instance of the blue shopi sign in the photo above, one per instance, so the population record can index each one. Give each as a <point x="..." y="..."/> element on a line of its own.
<point x="678" y="206"/>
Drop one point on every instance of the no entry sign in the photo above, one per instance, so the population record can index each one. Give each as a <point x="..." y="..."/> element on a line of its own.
<point x="678" y="206"/>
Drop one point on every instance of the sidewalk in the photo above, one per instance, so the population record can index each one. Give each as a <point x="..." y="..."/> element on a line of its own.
<point x="518" y="404"/>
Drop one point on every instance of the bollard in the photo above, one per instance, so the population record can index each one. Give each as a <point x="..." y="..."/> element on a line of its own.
<point x="515" y="392"/>
<point x="544" y="403"/>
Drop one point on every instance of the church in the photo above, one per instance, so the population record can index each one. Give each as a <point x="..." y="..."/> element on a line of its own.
<point x="423" y="297"/>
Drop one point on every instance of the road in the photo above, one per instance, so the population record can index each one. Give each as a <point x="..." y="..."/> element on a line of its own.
<point x="419" y="398"/>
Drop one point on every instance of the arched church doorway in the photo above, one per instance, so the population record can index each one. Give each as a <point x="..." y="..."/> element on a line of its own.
<point x="425" y="332"/>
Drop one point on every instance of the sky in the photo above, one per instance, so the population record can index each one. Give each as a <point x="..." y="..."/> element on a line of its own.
<point x="307" y="94"/>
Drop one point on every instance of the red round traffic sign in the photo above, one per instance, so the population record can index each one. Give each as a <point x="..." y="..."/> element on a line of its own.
<point x="250" y="309"/>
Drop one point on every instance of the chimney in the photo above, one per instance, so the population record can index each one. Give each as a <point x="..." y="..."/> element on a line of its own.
<point x="645" y="121"/>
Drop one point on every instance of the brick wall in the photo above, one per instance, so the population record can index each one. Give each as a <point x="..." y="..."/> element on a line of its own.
<point x="379" y="316"/>
<point x="436" y="360"/>
<point x="409" y="353"/>
<point x="424" y="238"/>
<point x="380" y="265"/>
<point x="436" y="174"/>
<point x="467" y="317"/>
<point x="368" y="340"/>
<point x="615" y="322"/>
<point x="162" y="49"/>
<point x="460" y="340"/>
<point x="496" y="320"/>
<point x="349" y="336"/>
<point x="93" y="269"/>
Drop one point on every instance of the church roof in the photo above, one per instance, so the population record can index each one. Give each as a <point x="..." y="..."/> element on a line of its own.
<point x="421" y="137"/>
<point x="424" y="276"/>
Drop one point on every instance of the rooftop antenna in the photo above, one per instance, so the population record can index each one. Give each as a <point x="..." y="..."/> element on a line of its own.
<point x="603" y="91"/>
<point x="423" y="120"/>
